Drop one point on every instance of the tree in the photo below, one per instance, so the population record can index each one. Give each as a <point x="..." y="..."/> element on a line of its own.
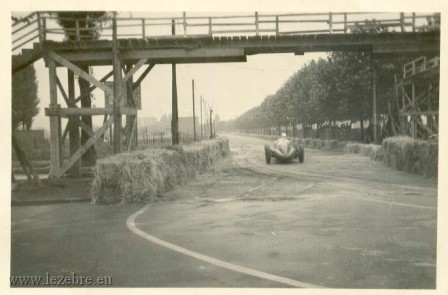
<point x="25" y="102"/>
<point x="90" y="24"/>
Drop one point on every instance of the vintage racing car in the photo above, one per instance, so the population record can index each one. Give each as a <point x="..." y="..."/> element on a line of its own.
<point x="284" y="151"/>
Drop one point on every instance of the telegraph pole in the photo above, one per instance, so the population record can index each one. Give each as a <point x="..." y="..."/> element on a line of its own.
<point x="373" y="83"/>
<point x="194" y="114"/>
<point x="174" y="113"/>
<point x="211" y="124"/>
<point x="117" y="88"/>
<point x="201" y="116"/>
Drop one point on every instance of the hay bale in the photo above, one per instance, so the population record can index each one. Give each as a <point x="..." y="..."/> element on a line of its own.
<point x="368" y="149"/>
<point x="413" y="156"/>
<point x="300" y="141"/>
<point x="342" y="145"/>
<point x="316" y="143"/>
<point x="331" y="144"/>
<point x="142" y="176"/>
<point x="307" y="142"/>
<point x="352" y="147"/>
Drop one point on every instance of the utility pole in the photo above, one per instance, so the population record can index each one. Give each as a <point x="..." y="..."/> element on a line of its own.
<point x="375" y="123"/>
<point x="194" y="114"/>
<point x="117" y="88"/>
<point x="174" y="113"/>
<point x="201" y="116"/>
<point x="211" y="124"/>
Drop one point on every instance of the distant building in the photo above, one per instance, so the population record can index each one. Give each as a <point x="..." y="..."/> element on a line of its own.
<point x="150" y="125"/>
<point x="146" y="121"/>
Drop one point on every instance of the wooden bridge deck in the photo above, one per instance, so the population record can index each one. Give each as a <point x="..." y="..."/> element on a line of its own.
<point x="233" y="49"/>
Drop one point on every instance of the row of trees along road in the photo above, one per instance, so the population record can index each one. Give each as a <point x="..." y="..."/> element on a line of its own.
<point x="337" y="88"/>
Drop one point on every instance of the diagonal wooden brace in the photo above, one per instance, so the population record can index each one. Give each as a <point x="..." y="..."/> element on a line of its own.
<point x="75" y="157"/>
<point x="80" y="72"/>
<point x="134" y="70"/>
<point x="89" y="131"/>
<point x="142" y="76"/>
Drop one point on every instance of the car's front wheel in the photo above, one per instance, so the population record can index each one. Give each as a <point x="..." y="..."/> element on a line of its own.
<point x="301" y="154"/>
<point x="267" y="154"/>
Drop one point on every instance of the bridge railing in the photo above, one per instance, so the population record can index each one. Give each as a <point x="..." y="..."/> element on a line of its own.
<point x="45" y="26"/>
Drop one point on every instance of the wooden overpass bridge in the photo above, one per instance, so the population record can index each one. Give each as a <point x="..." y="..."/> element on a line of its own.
<point x="130" y="44"/>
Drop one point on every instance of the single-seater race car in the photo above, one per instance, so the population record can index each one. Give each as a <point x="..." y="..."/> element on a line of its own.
<point x="284" y="151"/>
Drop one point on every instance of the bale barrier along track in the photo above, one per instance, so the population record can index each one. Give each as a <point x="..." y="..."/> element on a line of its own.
<point x="143" y="176"/>
<point x="398" y="152"/>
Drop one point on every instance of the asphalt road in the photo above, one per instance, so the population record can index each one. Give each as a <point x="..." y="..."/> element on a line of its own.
<point x="336" y="221"/>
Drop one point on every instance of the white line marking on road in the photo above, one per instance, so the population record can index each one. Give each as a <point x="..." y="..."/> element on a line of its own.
<point x="130" y="222"/>
<point x="397" y="204"/>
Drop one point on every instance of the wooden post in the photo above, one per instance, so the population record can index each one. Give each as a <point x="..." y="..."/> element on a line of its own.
<point x="201" y="117"/>
<point x="185" y="23"/>
<point x="402" y="21"/>
<point x="174" y="113"/>
<point x="429" y="118"/>
<point x="413" y="22"/>
<point x="403" y="119"/>
<point x="194" y="114"/>
<point x="78" y="36"/>
<point x="44" y="28"/>
<point x="276" y="25"/>
<point x="330" y="22"/>
<point x="375" y="120"/>
<point x="345" y="23"/>
<point x="211" y="124"/>
<point x="39" y="28"/>
<point x="257" y="32"/>
<point x="210" y="30"/>
<point x="55" y="140"/>
<point x="75" y="171"/>
<point x="413" y="116"/>
<point x="143" y="28"/>
<point x="131" y="120"/>
<point x="117" y="88"/>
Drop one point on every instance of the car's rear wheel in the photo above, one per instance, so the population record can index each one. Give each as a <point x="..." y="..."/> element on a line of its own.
<point x="301" y="154"/>
<point x="267" y="154"/>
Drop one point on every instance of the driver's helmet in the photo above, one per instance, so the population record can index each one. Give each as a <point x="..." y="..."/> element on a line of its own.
<point x="283" y="135"/>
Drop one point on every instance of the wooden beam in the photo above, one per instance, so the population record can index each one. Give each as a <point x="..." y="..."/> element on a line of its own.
<point x="75" y="157"/>
<point x="90" y="132"/>
<point x="142" y="76"/>
<point x="131" y="135"/>
<point x="180" y="53"/>
<point x="130" y="120"/>
<point x="64" y="112"/>
<point x="93" y="87"/>
<point x="419" y="113"/>
<point x="74" y="136"/>
<point x="61" y="89"/>
<point x="117" y="92"/>
<point x="55" y="147"/>
<point x="134" y="69"/>
<point x="66" y="129"/>
<point x="79" y="72"/>
<point x="171" y="55"/>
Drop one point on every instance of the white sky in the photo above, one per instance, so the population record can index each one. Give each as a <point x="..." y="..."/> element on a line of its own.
<point x="231" y="88"/>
